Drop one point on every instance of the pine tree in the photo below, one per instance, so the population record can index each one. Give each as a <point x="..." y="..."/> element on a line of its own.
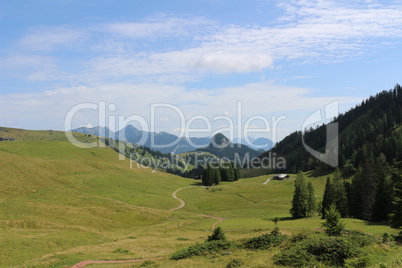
<point x="333" y="224"/>
<point x="208" y="176"/>
<point x="396" y="215"/>
<point x="231" y="174"/>
<point x="328" y="198"/>
<point x="217" y="234"/>
<point x="216" y="179"/>
<point x="364" y="187"/>
<point x="383" y="200"/>
<point x="341" y="200"/>
<point x="310" y="200"/>
<point x="223" y="173"/>
<point x="299" y="202"/>
<point x="237" y="174"/>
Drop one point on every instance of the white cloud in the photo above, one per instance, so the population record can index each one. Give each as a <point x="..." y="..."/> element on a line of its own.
<point x="158" y="26"/>
<point x="87" y="125"/>
<point x="264" y="98"/>
<point x="222" y="62"/>
<point x="50" y="38"/>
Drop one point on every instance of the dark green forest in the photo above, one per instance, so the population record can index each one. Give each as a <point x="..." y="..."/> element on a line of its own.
<point x="367" y="130"/>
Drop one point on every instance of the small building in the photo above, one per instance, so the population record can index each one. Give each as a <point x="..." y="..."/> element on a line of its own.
<point x="7" y="139"/>
<point x="281" y="177"/>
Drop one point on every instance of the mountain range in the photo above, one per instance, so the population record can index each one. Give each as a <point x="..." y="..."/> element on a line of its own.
<point x="169" y="143"/>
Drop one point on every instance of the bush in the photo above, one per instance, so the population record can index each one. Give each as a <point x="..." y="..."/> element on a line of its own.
<point x="327" y="250"/>
<point x="298" y="237"/>
<point x="217" y="234"/>
<point x="358" y="238"/>
<point x="200" y="249"/>
<point x="120" y="250"/>
<point x="357" y="262"/>
<point x="149" y="264"/>
<point x="331" y="250"/>
<point x="295" y="256"/>
<point x="265" y="241"/>
<point x="234" y="263"/>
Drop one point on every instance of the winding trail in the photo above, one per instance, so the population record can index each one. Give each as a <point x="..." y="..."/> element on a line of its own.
<point x="182" y="204"/>
<point x="212" y="217"/>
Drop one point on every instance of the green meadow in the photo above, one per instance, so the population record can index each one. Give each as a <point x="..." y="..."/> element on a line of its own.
<point x="60" y="204"/>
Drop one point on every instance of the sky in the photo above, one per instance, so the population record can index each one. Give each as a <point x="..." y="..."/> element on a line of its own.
<point x="193" y="67"/>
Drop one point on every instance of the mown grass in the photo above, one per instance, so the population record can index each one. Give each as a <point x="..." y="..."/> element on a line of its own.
<point x="60" y="205"/>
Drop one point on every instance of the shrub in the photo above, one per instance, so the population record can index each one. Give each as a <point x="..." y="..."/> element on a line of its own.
<point x="295" y="256"/>
<point x="120" y="250"/>
<point x="148" y="263"/>
<point x="200" y="249"/>
<point x="358" y="238"/>
<point x="332" y="250"/>
<point x="217" y="234"/>
<point x="298" y="237"/>
<point x="357" y="262"/>
<point x="183" y="239"/>
<point x="234" y="263"/>
<point x="327" y="250"/>
<point x="265" y="241"/>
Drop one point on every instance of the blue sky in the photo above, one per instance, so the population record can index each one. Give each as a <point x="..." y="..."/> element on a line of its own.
<point x="278" y="58"/>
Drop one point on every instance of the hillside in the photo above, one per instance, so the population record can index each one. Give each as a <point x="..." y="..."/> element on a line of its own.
<point x="374" y="126"/>
<point x="61" y="205"/>
<point x="56" y="196"/>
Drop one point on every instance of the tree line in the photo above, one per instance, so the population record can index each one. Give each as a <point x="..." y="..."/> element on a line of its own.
<point x="225" y="171"/>
<point x="374" y="194"/>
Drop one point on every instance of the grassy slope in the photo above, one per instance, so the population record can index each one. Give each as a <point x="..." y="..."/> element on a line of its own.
<point x="55" y="196"/>
<point x="60" y="205"/>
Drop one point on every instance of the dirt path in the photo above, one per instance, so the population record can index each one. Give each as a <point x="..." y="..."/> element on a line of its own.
<point x="212" y="217"/>
<point x="182" y="203"/>
<point x="84" y="263"/>
<point x="266" y="181"/>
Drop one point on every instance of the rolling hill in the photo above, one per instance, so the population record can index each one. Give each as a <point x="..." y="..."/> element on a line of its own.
<point x="60" y="205"/>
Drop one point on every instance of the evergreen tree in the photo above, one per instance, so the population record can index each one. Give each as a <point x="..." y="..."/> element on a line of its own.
<point x="383" y="201"/>
<point x="231" y="174"/>
<point x="217" y="234"/>
<point x="299" y="202"/>
<point x="333" y="224"/>
<point x="223" y="173"/>
<point x="216" y="177"/>
<point x="237" y="174"/>
<point x="396" y="215"/>
<point x="329" y="197"/>
<point x="206" y="179"/>
<point x="310" y="200"/>
<point x="341" y="200"/>
<point x="364" y="189"/>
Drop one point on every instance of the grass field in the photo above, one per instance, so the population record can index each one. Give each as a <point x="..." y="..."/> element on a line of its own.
<point x="60" y="205"/>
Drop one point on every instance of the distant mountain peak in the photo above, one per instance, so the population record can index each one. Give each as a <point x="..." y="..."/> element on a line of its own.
<point x="219" y="140"/>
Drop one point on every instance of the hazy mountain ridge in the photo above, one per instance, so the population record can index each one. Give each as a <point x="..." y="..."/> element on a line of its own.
<point x="166" y="142"/>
